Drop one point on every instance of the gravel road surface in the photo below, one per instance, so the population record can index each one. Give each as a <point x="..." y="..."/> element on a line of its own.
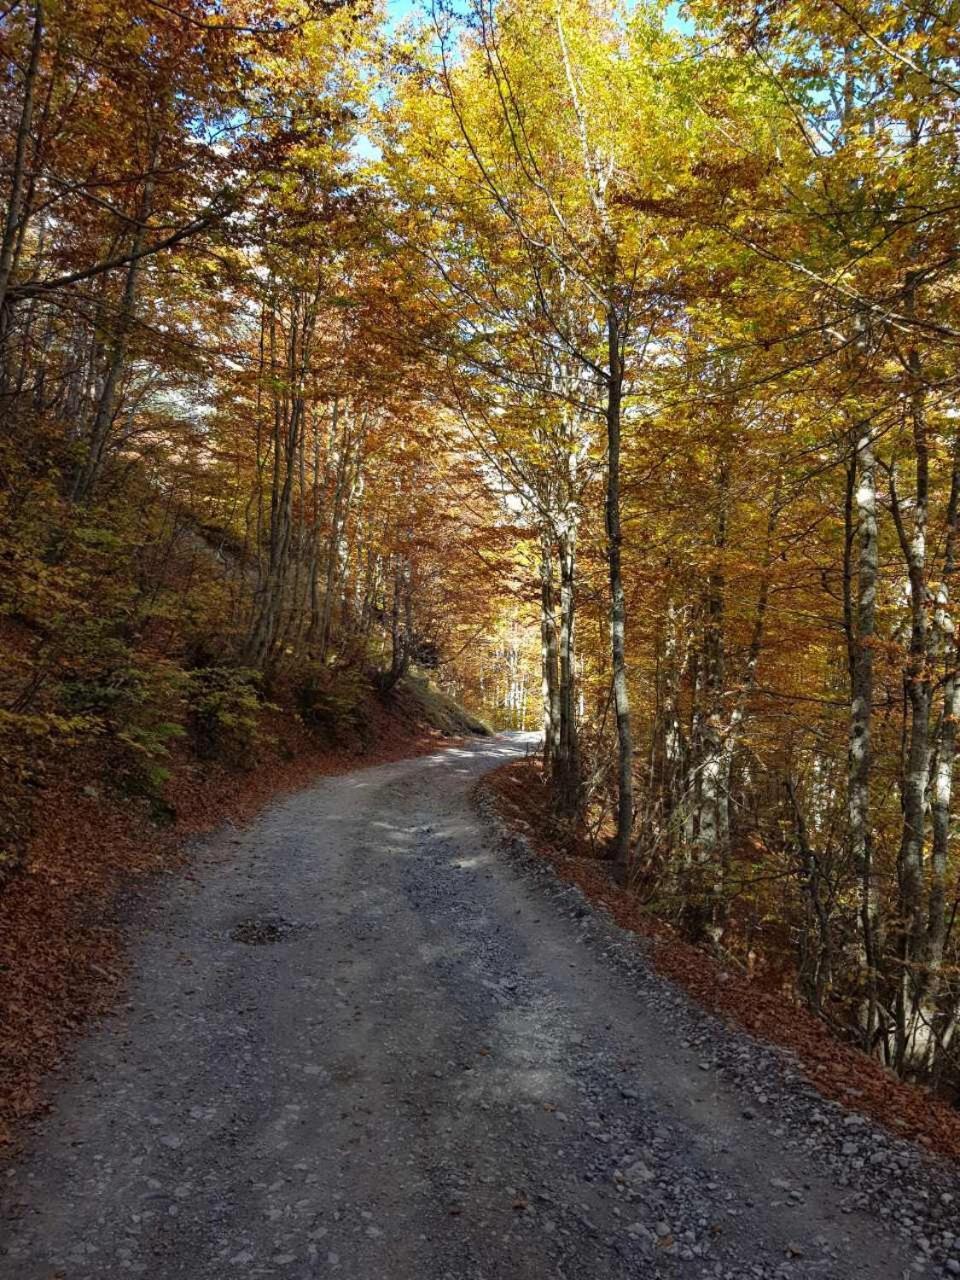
<point x="369" y="1040"/>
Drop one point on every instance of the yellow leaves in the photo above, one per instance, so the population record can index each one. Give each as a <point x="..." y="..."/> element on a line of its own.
<point x="66" y="729"/>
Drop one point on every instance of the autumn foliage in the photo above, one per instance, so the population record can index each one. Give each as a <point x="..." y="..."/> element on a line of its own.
<point x="598" y="359"/>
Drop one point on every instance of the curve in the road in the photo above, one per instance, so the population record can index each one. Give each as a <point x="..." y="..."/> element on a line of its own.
<point x="363" y="1043"/>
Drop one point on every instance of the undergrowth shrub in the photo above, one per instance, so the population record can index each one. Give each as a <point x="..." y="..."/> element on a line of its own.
<point x="136" y="697"/>
<point x="332" y="702"/>
<point x="224" y="713"/>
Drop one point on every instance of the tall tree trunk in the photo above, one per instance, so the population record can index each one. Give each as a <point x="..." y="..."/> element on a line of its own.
<point x="714" y="739"/>
<point x="946" y="752"/>
<point x="568" y="760"/>
<point x="711" y="823"/>
<point x="861" y="643"/>
<point x="618" y="608"/>
<point x="401" y="627"/>
<point x="669" y="749"/>
<point x="12" y="225"/>
<point x="332" y="564"/>
<point x="917" y="763"/>
<point x="548" y="655"/>
<point x="942" y="788"/>
<point x="88" y="472"/>
<point x="313" y="565"/>
<point x="289" y="373"/>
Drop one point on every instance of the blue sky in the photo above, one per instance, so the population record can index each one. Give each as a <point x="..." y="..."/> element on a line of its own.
<point x="397" y="10"/>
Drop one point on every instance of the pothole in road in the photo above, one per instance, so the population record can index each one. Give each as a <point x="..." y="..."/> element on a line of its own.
<point x="261" y="931"/>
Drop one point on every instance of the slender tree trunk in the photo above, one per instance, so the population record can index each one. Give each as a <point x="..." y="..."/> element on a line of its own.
<point x="942" y="788"/>
<point x="313" y="624"/>
<point x="916" y="760"/>
<point x="817" y="973"/>
<point x="289" y="427"/>
<point x="946" y="753"/>
<point x="336" y="522"/>
<point x="861" y="641"/>
<point x="548" y="656"/>
<point x="89" y="471"/>
<point x="711" y="822"/>
<point x="669" y="752"/>
<point x="568" y="755"/>
<point x="12" y="226"/>
<point x="618" y="608"/>
<point x="401" y="627"/>
<point x="712" y="759"/>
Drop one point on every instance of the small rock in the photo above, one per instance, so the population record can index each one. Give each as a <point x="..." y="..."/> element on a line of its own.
<point x="638" y="1172"/>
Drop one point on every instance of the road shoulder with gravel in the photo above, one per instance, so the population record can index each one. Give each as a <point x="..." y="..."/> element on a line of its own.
<point x="372" y="1038"/>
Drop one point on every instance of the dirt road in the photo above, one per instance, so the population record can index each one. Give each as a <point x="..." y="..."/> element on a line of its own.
<point x="365" y="1042"/>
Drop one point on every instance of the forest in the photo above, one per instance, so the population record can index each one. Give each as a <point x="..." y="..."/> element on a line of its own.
<point x="599" y="359"/>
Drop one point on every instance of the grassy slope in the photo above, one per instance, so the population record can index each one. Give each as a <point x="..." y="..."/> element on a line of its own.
<point x="424" y="701"/>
